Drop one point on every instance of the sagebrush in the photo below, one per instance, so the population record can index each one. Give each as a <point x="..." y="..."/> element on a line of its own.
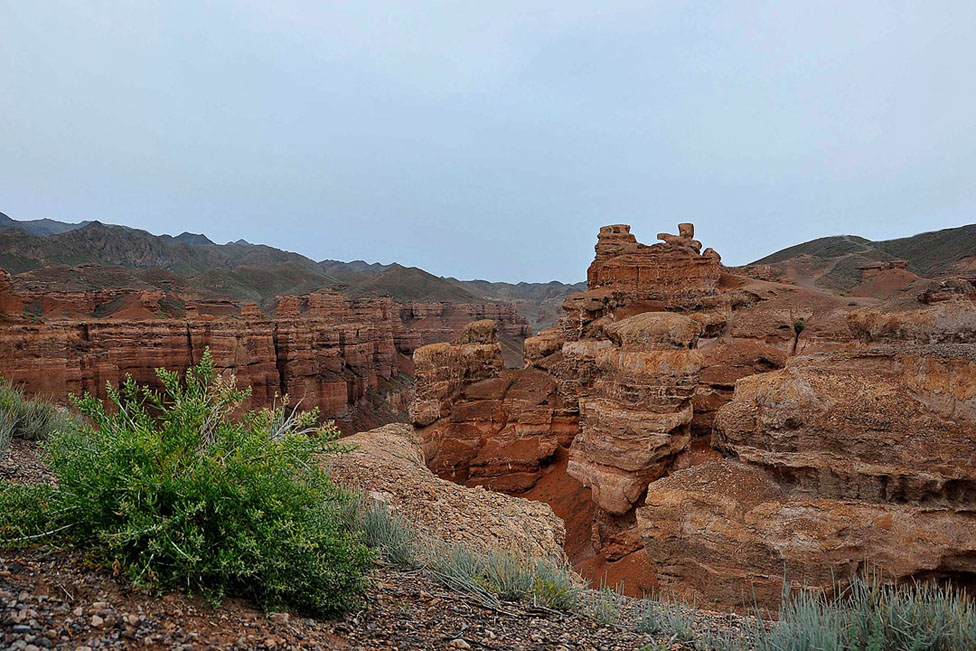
<point x="24" y="418"/>
<point x="174" y="490"/>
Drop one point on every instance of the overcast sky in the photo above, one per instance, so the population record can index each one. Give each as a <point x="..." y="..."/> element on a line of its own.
<point x="491" y="139"/>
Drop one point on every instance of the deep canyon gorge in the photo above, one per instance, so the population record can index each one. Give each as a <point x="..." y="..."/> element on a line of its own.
<point x="700" y="430"/>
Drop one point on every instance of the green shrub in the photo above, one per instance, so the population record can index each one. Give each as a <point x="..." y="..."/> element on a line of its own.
<point x="25" y="512"/>
<point x="174" y="491"/>
<point x="871" y="616"/>
<point x="390" y="533"/>
<point x="28" y="419"/>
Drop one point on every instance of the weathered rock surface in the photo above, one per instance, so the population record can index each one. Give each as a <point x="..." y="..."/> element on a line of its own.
<point x="481" y="424"/>
<point x="636" y="418"/>
<point x="344" y="355"/>
<point x="388" y="465"/>
<point x="331" y="357"/>
<point x="725" y="532"/>
<point x="840" y="462"/>
<point x="614" y="394"/>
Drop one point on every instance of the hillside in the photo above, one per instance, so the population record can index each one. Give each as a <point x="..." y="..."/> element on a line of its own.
<point x="928" y="254"/>
<point x="93" y="255"/>
<point x="879" y="269"/>
<point x="411" y="284"/>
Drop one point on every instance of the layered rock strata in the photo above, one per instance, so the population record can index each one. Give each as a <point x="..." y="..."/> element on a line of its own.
<point x="480" y="423"/>
<point x="614" y="396"/>
<point x="842" y="462"/>
<point x="330" y="362"/>
<point x="637" y="415"/>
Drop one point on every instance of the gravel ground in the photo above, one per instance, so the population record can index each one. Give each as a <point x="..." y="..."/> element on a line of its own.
<point x="22" y="463"/>
<point x="53" y="599"/>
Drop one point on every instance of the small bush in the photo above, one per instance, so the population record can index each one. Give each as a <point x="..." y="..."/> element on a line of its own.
<point x="172" y="490"/>
<point x="33" y="420"/>
<point x="603" y="606"/>
<point x="503" y="576"/>
<point x="554" y="585"/>
<point x="390" y="533"/>
<point x="869" y="615"/>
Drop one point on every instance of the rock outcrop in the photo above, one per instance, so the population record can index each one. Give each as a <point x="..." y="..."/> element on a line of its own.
<point x="345" y="355"/>
<point x="326" y="361"/>
<point x="388" y="465"/>
<point x="622" y="394"/>
<point x="481" y="424"/>
<point x="842" y="461"/>
<point x="637" y="415"/>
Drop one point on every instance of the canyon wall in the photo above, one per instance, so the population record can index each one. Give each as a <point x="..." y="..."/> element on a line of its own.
<point x="330" y="351"/>
<point x="712" y="435"/>
<point x="843" y="462"/>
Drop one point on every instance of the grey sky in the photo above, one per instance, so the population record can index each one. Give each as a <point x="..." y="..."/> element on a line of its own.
<point x="491" y="139"/>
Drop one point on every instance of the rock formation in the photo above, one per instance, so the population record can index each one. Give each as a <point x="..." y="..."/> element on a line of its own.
<point x="345" y="355"/>
<point x="330" y="360"/>
<point x="843" y="461"/>
<point x="637" y="415"/>
<point x="816" y="402"/>
<point x="480" y="423"/>
<point x="388" y="465"/>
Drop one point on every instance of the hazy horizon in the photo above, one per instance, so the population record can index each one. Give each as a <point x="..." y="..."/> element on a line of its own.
<point x="582" y="277"/>
<point x="491" y="141"/>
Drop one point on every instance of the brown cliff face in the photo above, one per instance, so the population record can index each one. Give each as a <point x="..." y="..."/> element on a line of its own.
<point x="331" y="358"/>
<point x="427" y="323"/>
<point x="345" y="355"/>
<point x="841" y="459"/>
<point x="607" y="402"/>
<point x="483" y="425"/>
<point x="637" y="415"/>
<point x="700" y="431"/>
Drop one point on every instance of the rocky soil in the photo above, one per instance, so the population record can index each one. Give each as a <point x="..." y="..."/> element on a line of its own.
<point x="56" y="599"/>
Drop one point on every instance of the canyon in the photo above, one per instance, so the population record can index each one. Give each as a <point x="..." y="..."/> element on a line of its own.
<point x="706" y="432"/>
<point x="348" y="356"/>
<point x="710" y="434"/>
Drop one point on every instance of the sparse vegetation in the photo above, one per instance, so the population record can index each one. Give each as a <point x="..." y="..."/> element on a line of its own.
<point x="872" y="617"/>
<point x="20" y="417"/>
<point x="603" y="607"/>
<point x="172" y="490"/>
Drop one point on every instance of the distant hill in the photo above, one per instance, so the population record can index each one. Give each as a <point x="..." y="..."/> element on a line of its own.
<point x="879" y="269"/>
<point x="412" y="284"/>
<point x="196" y="239"/>
<point x="94" y="255"/>
<point x="39" y="226"/>
<point x="928" y="254"/>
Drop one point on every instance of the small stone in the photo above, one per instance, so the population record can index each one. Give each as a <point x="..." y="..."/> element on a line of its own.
<point x="459" y="643"/>
<point x="97" y="621"/>
<point x="279" y="618"/>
